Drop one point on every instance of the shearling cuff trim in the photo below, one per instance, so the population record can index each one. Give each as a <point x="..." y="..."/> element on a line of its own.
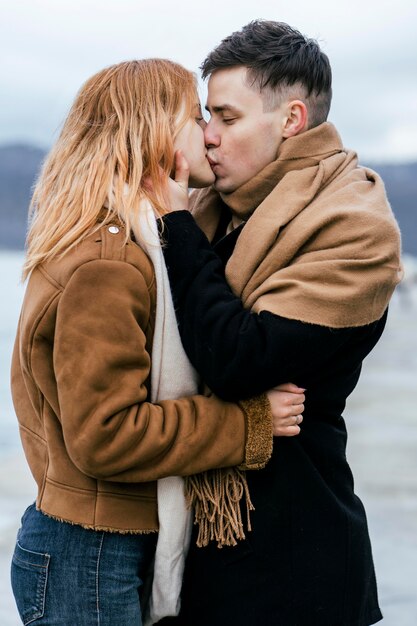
<point x="259" y="434"/>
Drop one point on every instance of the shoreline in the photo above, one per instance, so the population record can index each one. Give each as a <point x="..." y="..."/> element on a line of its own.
<point x="17" y="492"/>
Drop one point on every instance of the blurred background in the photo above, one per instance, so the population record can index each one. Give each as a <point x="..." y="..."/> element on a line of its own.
<point x="49" y="48"/>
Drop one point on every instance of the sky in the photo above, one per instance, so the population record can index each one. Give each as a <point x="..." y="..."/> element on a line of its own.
<point x="48" y="48"/>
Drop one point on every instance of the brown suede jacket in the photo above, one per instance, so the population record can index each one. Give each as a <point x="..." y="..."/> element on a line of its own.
<point x="80" y="383"/>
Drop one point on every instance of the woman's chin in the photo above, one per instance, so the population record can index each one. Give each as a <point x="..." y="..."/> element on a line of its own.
<point x="202" y="180"/>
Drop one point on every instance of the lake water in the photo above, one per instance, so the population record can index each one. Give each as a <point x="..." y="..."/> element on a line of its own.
<point x="10" y="267"/>
<point x="381" y="417"/>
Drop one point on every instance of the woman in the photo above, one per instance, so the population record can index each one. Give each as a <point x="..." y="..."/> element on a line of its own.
<point x="81" y="368"/>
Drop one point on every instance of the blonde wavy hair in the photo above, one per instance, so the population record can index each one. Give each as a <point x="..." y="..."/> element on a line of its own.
<point x="120" y="129"/>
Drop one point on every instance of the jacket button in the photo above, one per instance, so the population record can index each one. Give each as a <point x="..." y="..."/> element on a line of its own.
<point x="113" y="230"/>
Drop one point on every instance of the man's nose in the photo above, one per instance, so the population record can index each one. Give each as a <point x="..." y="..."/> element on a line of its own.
<point x="211" y="136"/>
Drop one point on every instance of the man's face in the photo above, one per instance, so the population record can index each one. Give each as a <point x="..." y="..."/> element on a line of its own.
<point x="241" y="138"/>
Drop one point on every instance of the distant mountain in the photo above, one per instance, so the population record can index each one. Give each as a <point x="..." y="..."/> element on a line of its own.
<point x="401" y="184"/>
<point x="19" y="166"/>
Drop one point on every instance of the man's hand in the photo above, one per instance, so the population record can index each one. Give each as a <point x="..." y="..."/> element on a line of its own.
<point x="287" y="405"/>
<point x="178" y="188"/>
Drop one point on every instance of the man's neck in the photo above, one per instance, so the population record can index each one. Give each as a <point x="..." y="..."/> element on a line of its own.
<point x="234" y="223"/>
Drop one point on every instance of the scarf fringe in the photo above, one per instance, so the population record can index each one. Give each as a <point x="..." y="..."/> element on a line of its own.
<point x="216" y="496"/>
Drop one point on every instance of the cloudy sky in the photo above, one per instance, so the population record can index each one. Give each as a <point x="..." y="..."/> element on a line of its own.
<point x="49" y="47"/>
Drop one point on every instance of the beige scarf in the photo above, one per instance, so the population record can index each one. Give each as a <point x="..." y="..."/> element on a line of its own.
<point x="320" y="245"/>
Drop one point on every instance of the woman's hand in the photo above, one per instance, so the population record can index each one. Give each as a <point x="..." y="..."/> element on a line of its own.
<point x="178" y="188"/>
<point x="287" y="405"/>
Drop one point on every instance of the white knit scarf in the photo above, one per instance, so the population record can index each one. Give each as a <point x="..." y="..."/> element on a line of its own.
<point x="172" y="376"/>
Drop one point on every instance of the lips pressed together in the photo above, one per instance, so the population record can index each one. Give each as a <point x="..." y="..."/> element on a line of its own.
<point x="212" y="162"/>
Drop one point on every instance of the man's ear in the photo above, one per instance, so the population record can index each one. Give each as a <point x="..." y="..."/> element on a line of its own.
<point x="296" y="119"/>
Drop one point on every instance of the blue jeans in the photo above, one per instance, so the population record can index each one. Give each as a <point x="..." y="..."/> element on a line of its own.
<point x="66" y="575"/>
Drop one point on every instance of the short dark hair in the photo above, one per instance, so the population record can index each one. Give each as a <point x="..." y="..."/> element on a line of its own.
<point x="278" y="57"/>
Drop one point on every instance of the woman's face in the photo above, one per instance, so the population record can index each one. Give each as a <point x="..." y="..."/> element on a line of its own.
<point x="190" y="140"/>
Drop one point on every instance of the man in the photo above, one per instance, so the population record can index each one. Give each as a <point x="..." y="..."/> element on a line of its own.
<point x="311" y="253"/>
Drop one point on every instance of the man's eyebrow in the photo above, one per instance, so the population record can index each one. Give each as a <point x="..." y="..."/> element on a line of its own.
<point x="222" y="108"/>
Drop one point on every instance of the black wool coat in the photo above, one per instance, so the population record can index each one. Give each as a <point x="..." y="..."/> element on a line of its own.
<point x="308" y="559"/>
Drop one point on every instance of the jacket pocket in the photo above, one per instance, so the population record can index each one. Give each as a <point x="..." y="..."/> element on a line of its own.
<point x="29" y="577"/>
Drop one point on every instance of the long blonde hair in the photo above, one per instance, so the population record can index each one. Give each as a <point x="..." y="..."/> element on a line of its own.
<point x="120" y="129"/>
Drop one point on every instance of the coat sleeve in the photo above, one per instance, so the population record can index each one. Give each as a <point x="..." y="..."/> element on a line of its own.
<point x="102" y="369"/>
<point x="237" y="353"/>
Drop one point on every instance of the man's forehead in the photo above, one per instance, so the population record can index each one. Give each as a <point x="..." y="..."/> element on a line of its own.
<point x="228" y="90"/>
